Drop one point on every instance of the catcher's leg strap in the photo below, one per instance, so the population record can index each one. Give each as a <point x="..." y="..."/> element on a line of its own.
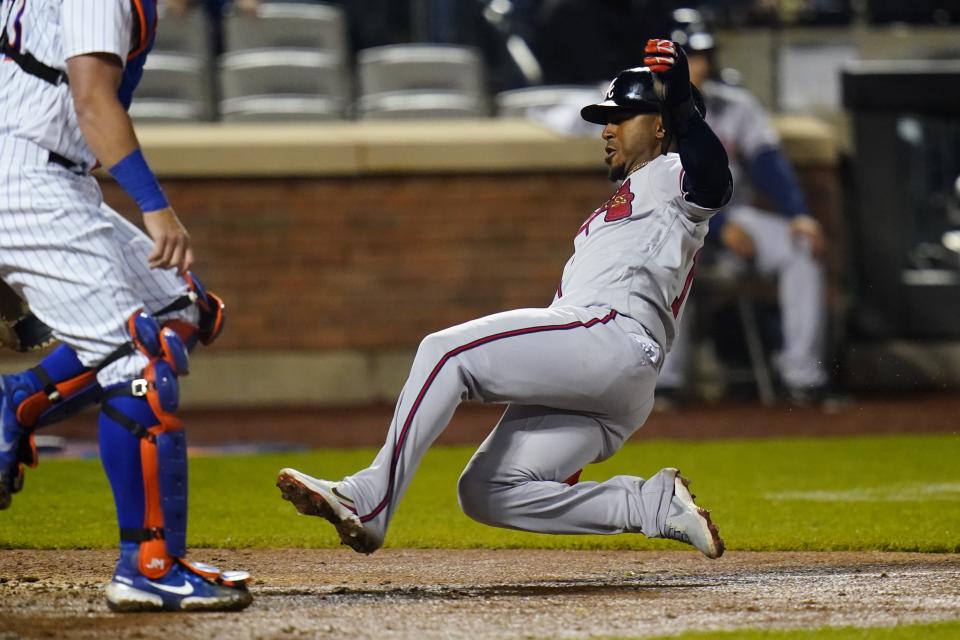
<point x="152" y="509"/>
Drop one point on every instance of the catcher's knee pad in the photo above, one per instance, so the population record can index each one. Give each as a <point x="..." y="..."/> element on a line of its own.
<point x="212" y="310"/>
<point x="55" y="389"/>
<point x="146" y="407"/>
<point x="212" y="314"/>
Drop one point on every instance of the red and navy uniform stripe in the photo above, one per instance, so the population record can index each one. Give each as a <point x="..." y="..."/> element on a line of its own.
<point x="401" y="440"/>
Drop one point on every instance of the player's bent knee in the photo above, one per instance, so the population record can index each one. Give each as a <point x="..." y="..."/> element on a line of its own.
<point x="432" y="350"/>
<point x="478" y="497"/>
<point x="475" y="504"/>
<point x="432" y="347"/>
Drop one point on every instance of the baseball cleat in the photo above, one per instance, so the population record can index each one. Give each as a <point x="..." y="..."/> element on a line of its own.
<point x="316" y="497"/>
<point x="186" y="587"/>
<point x="689" y="523"/>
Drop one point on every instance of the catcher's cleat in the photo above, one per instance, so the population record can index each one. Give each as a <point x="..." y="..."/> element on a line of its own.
<point x="689" y="523"/>
<point x="186" y="587"/>
<point x="316" y="497"/>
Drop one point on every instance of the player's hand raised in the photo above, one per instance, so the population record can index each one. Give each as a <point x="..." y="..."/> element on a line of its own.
<point x="171" y="248"/>
<point x="666" y="58"/>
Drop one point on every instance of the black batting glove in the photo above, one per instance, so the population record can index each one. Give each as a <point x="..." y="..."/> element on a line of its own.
<point x="668" y="61"/>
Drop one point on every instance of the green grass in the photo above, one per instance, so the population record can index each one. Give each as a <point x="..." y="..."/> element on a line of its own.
<point x="935" y="631"/>
<point x="871" y="493"/>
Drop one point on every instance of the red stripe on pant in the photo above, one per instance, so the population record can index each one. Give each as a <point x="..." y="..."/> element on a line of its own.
<point x="436" y="371"/>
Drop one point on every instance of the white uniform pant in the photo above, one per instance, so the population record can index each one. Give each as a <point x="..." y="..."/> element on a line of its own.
<point x="579" y="382"/>
<point x="801" y="296"/>
<point x="80" y="266"/>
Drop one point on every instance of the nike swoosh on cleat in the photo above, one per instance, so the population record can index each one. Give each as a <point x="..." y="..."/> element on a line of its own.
<point x="183" y="590"/>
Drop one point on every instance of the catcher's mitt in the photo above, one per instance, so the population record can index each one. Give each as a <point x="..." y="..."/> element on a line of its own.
<point x="20" y="330"/>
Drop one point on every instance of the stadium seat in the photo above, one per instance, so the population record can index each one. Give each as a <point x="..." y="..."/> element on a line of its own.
<point x="178" y="81"/>
<point x="280" y="71"/>
<point x="421" y="104"/>
<point x="188" y="34"/>
<point x="421" y="81"/>
<point x="315" y="27"/>
<point x="420" y="67"/>
<point x="316" y="77"/>
<point x="280" y="108"/>
<point x="158" y="110"/>
<point x="515" y="103"/>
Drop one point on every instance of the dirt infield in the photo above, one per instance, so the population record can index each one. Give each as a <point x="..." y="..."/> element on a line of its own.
<point x="494" y="594"/>
<point x="508" y="593"/>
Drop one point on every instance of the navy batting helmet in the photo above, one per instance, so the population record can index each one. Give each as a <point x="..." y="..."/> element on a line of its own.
<point x="634" y="91"/>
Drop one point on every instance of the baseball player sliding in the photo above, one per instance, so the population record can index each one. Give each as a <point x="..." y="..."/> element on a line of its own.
<point x="124" y="305"/>
<point x="579" y="375"/>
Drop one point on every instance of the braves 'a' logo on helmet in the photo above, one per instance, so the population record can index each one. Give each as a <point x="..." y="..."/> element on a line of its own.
<point x="609" y="94"/>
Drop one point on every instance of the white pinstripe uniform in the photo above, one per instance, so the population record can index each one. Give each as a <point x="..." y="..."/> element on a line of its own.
<point x="579" y="377"/>
<point x="80" y="265"/>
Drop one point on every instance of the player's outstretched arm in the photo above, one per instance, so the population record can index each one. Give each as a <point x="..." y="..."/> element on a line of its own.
<point x="106" y="126"/>
<point x="707" y="181"/>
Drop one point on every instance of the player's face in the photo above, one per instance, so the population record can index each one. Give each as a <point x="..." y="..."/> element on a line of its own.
<point x="631" y="140"/>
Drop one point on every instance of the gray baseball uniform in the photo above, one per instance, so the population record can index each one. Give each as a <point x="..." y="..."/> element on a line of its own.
<point x="746" y="132"/>
<point x="579" y="377"/>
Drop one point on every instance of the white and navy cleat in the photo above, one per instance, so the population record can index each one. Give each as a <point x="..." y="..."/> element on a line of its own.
<point x="689" y="523"/>
<point x="185" y="587"/>
<point x="315" y="497"/>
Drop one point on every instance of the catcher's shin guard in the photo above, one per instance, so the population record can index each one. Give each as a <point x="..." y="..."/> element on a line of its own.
<point x="58" y="387"/>
<point x="144" y="451"/>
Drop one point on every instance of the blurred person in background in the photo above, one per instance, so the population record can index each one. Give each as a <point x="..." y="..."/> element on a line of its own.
<point x="784" y="243"/>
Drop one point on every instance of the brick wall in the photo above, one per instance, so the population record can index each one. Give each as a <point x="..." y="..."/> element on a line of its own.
<point x="374" y="263"/>
<point x="377" y="263"/>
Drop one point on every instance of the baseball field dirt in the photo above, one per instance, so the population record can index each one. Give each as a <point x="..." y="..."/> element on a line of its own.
<point x="399" y="593"/>
<point x="494" y="594"/>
